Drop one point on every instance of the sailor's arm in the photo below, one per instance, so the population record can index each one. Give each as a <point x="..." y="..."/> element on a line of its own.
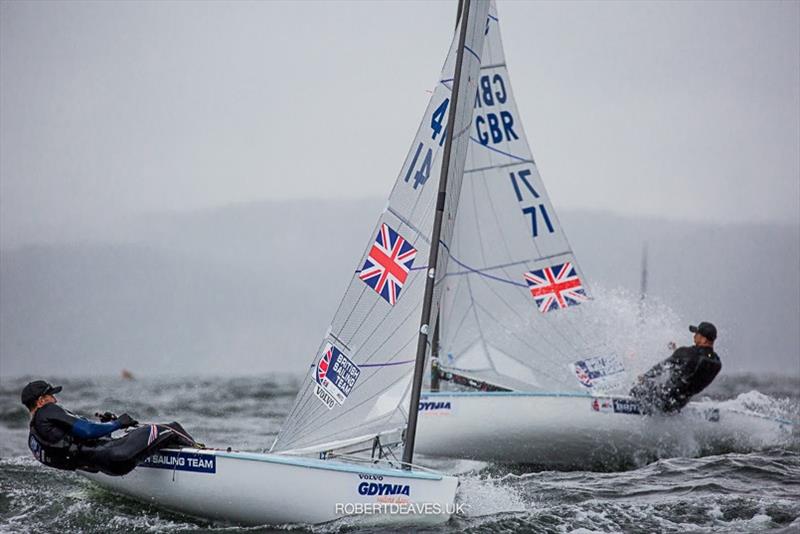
<point x="78" y="427"/>
<point x="659" y="368"/>
<point x="85" y="429"/>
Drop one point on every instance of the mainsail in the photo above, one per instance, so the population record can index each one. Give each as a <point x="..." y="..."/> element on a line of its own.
<point x="357" y="383"/>
<point x="513" y="281"/>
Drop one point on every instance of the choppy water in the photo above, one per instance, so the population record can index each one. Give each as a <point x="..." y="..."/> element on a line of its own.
<point x="754" y="491"/>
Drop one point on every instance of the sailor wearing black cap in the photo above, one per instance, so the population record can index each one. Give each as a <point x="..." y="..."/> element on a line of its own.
<point x="669" y="385"/>
<point x="58" y="438"/>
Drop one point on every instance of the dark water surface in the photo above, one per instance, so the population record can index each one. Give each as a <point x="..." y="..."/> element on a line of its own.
<point x="756" y="491"/>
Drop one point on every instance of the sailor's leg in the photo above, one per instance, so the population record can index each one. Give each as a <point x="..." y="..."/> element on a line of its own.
<point x="117" y="456"/>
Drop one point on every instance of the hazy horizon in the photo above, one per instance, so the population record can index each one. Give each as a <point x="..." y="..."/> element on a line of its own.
<point x="219" y="291"/>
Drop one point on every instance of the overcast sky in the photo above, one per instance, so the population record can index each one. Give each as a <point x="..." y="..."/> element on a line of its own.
<point x="688" y="110"/>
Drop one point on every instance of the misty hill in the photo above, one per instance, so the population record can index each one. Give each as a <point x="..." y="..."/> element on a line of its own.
<point x="253" y="287"/>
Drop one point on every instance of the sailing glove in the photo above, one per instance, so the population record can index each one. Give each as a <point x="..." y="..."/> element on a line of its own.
<point x="126" y="421"/>
<point x="106" y="417"/>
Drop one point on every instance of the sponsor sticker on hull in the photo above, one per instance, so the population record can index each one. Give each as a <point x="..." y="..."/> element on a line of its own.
<point x="182" y="461"/>
<point x="626" y="406"/>
<point x="615" y="405"/>
<point x="602" y="405"/>
<point x="435" y="407"/>
<point x="384" y="491"/>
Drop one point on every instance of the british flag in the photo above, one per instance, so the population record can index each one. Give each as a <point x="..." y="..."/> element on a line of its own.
<point x="388" y="264"/>
<point x="583" y="374"/>
<point x="555" y="287"/>
<point x="324" y="363"/>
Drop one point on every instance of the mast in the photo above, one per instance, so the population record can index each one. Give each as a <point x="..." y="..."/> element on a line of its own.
<point x="427" y="303"/>
<point x="643" y="283"/>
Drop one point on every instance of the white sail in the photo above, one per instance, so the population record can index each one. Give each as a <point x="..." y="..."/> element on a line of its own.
<point x="362" y="372"/>
<point x="513" y="279"/>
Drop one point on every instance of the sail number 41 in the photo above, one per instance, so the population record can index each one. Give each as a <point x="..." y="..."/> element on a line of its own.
<point x="423" y="172"/>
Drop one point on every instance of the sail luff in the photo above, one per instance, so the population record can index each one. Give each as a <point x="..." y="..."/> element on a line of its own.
<point x="427" y="304"/>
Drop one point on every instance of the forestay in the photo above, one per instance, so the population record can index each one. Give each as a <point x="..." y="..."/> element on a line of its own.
<point x="513" y="281"/>
<point x="362" y="372"/>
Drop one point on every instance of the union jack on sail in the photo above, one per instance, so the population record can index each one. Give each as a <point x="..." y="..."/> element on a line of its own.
<point x="555" y="287"/>
<point x="388" y="264"/>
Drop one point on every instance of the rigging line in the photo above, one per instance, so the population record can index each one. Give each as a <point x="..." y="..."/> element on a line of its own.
<point x="497" y="150"/>
<point x="502" y="166"/>
<point x="524" y="342"/>
<point x="485" y="275"/>
<point x="493" y="18"/>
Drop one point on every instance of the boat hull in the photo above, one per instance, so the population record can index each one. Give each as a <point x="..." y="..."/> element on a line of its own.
<point x="574" y="431"/>
<point x="275" y="489"/>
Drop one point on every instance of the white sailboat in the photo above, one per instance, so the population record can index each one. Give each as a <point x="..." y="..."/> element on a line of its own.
<point x="510" y="331"/>
<point x="335" y="453"/>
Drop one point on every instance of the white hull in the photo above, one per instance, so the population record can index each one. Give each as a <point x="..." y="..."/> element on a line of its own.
<point x="277" y="489"/>
<point x="566" y="431"/>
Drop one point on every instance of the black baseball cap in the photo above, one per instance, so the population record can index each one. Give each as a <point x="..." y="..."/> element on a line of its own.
<point x="35" y="389"/>
<point x="707" y="330"/>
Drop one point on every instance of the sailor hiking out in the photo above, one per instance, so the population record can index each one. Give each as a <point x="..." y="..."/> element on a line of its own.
<point x="63" y="440"/>
<point x="668" y="386"/>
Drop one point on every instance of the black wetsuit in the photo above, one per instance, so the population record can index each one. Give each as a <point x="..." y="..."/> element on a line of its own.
<point x="61" y="439"/>
<point x="669" y="385"/>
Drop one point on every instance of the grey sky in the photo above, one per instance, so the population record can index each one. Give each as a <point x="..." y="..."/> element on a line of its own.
<point x="679" y="109"/>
